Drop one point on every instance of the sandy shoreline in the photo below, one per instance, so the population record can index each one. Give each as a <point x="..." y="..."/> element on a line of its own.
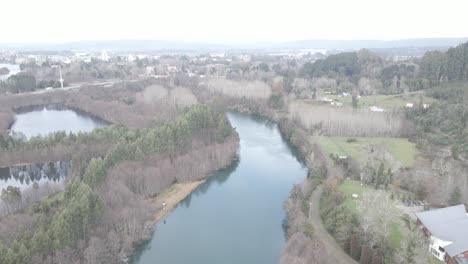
<point x="172" y="197"/>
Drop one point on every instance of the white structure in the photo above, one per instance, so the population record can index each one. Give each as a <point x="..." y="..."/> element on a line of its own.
<point x="409" y="105"/>
<point x="376" y="109"/>
<point x="324" y="99"/>
<point x="448" y="232"/>
<point x="104" y="56"/>
<point x="61" y="79"/>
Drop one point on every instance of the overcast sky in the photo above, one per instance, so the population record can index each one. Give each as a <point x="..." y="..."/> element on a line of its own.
<point x="235" y="21"/>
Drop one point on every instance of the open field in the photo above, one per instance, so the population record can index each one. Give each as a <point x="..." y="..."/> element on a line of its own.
<point x="387" y="102"/>
<point x="349" y="187"/>
<point x="403" y="150"/>
<point x="353" y="187"/>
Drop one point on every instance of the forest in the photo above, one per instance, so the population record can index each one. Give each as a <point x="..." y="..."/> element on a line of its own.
<point x="102" y="204"/>
<point x="106" y="209"/>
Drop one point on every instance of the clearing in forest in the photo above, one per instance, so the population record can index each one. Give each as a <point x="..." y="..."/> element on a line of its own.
<point x="402" y="150"/>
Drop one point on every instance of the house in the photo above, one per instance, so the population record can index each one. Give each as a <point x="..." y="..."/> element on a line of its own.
<point x="409" y="105"/>
<point x="448" y="230"/>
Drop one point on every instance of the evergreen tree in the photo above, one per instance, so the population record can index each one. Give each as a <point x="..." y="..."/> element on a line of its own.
<point x="355" y="247"/>
<point x="355" y="101"/>
<point x="377" y="256"/>
<point x="456" y="196"/>
<point x="365" y="255"/>
<point x="379" y="179"/>
<point x="139" y="155"/>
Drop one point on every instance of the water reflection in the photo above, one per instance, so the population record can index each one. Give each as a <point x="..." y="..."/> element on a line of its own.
<point x="43" y="120"/>
<point x="24" y="176"/>
<point x="237" y="215"/>
<point x="220" y="177"/>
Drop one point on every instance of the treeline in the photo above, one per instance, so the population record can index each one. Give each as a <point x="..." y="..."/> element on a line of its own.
<point x="26" y="82"/>
<point x="84" y="71"/>
<point x="363" y="71"/>
<point x="19" y="83"/>
<point x="116" y="104"/>
<point x="101" y="215"/>
<point x="350" y="69"/>
<point x="445" y="122"/>
<point x="344" y="122"/>
<point x="302" y="245"/>
<point x="442" y="135"/>
<point x="452" y="65"/>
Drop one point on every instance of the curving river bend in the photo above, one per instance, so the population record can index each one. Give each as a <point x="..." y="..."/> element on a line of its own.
<point x="237" y="215"/>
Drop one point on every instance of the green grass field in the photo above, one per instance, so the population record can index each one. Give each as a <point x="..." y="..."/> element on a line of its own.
<point x="402" y="150"/>
<point x="387" y="102"/>
<point x="349" y="187"/>
<point x="434" y="260"/>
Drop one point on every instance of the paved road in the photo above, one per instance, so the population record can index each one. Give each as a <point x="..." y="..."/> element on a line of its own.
<point x="322" y="234"/>
<point x="72" y="86"/>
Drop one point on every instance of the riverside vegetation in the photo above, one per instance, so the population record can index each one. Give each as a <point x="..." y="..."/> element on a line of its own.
<point x="436" y="136"/>
<point x="285" y="91"/>
<point x="101" y="213"/>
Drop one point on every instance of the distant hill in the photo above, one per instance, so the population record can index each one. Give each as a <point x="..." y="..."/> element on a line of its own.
<point x="160" y="45"/>
<point x="122" y="45"/>
<point x="372" y="44"/>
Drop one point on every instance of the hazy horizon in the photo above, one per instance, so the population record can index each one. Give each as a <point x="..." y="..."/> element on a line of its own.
<point x="229" y="43"/>
<point x="223" y="22"/>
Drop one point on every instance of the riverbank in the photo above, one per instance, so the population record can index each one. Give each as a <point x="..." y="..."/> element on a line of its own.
<point x="307" y="240"/>
<point x="171" y="197"/>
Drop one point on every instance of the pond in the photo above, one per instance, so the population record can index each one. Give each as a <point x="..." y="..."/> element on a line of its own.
<point x="237" y="216"/>
<point x="34" y="181"/>
<point x="43" y="120"/>
<point x="24" y="176"/>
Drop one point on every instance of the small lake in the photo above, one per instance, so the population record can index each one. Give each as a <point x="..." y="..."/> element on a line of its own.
<point x="237" y="216"/>
<point x="35" y="181"/>
<point x="14" y="69"/>
<point x="24" y="176"/>
<point x="44" y="120"/>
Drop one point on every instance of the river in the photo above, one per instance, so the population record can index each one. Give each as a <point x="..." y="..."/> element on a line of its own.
<point x="237" y="216"/>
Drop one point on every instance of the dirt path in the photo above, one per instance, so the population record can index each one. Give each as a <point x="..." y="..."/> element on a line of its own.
<point x="172" y="197"/>
<point x="322" y="234"/>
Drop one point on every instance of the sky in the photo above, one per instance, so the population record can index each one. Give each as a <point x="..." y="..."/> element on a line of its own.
<point x="229" y="22"/>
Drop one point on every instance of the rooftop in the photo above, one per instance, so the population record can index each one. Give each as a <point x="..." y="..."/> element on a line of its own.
<point x="448" y="224"/>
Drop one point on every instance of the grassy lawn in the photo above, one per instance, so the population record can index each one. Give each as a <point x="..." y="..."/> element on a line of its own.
<point x="349" y="187"/>
<point x="403" y="150"/>
<point x="387" y="102"/>
<point x="434" y="260"/>
<point x="396" y="235"/>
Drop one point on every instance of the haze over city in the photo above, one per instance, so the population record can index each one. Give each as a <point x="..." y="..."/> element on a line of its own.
<point x="230" y="22"/>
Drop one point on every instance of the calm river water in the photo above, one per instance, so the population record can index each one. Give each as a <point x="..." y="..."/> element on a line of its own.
<point x="237" y="215"/>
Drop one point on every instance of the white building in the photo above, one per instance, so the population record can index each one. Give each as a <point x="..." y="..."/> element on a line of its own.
<point x="104" y="56"/>
<point x="447" y="229"/>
